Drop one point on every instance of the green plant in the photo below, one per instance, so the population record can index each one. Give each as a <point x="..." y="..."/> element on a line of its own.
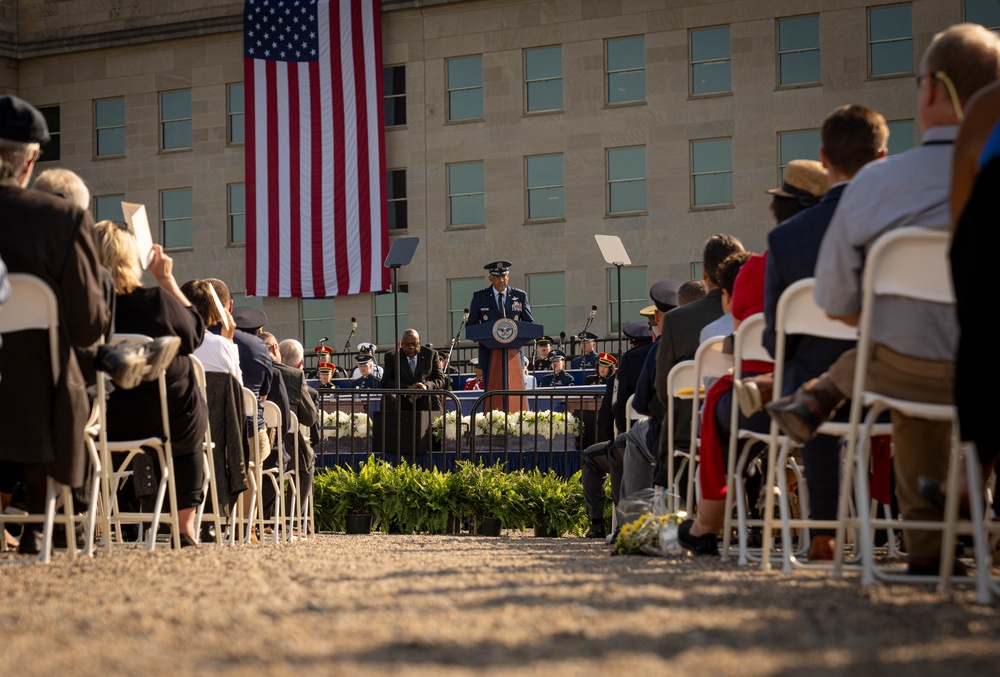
<point x="488" y="491"/>
<point x="551" y="501"/>
<point x="341" y="491"/>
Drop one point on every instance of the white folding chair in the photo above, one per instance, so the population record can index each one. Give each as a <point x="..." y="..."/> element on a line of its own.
<point x="297" y="520"/>
<point x="681" y="385"/>
<point x="709" y="363"/>
<point x="747" y="346"/>
<point x="798" y="315"/>
<point x="255" y="512"/>
<point x="276" y="475"/>
<point x="161" y="447"/>
<point x="209" y="487"/>
<point x="908" y="263"/>
<point x="631" y="415"/>
<point x="33" y="306"/>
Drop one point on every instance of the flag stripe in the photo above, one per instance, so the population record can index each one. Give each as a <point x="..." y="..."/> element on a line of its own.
<point x="317" y="221"/>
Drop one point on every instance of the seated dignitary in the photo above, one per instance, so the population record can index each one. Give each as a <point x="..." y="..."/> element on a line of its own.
<point x="606" y="363"/>
<point x="543" y="347"/>
<point x="367" y="349"/>
<point x="324" y="376"/>
<point x="558" y="378"/>
<point x="159" y="311"/>
<point x="367" y="379"/>
<point x="588" y="347"/>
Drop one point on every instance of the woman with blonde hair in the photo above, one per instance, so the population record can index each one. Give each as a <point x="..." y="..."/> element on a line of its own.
<point x="158" y="311"/>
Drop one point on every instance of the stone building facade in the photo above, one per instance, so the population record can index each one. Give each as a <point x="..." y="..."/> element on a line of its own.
<point x="524" y="127"/>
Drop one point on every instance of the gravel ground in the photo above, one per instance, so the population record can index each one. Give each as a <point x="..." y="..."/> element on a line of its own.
<point x="458" y="605"/>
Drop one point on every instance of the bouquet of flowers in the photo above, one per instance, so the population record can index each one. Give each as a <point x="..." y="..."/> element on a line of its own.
<point x="447" y="426"/>
<point x="493" y="423"/>
<point x="348" y="425"/>
<point x="549" y="424"/>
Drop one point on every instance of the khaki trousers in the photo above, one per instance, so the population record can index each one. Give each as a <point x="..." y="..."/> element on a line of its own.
<point x="920" y="447"/>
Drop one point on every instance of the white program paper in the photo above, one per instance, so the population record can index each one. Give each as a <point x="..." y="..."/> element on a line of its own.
<point x="138" y="223"/>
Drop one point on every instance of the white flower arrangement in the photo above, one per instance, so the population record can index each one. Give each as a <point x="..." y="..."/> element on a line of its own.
<point x="447" y="426"/>
<point x="546" y="424"/>
<point x="493" y="423"/>
<point x="348" y="425"/>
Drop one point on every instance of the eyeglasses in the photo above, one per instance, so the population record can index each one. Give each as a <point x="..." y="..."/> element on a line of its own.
<point x="411" y="344"/>
<point x="943" y="78"/>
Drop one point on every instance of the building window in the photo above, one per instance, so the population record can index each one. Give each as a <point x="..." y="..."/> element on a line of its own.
<point x="625" y="63"/>
<point x="798" y="50"/>
<point x="51" y="150"/>
<point x="385" y="324"/>
<point x="712" y="172"/>
<point x="710" y="61"/>
<point x="634" y="295"/>
<point x="175" y="218"/>
<point x="466" y="199"/>
<point x="395" y="188"/>
<point x="109" y="127"/>
<point x="317" y="322"/>
<point x="175" y="119"/>
<point x="984" y="12"/>
<point x="109" y="208"/>
<point x="394" y="95"/>
<point x="547" y="292"/>
<point x="890" y="40"/>
<point x="543" y="176"/>
<point x="900" y="136"/>
<point x="465" y="88"/>
<point x="459" y="294"/>
<point x="626" y="180"/>
<point x="234" y="113"/>
<point x="237" y="213"/>
<point x="543" y="79"/>
<point x="802" y="145"/>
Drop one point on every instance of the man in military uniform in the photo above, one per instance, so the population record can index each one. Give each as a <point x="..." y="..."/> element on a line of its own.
<point x="590" y="357"/>
<point x="497" y="301"/>
<point x="367" y="379"/>
<point x="368" y="349"/>
<point x="558" y="378"/>
<point x="544" y="346"/>
<point x="325" y="375"/>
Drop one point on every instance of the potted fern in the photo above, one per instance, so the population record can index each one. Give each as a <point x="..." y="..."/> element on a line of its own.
<point x="553" y="505"/>
<point x="357" y="494"/>
<point x="487" y="493"/>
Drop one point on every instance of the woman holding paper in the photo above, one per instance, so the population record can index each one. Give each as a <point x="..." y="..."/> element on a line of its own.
<point x="158" y="311"/>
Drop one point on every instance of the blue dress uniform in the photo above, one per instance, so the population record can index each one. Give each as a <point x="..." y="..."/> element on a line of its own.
<point x="483" y="308"/>
<point x="367" y="382"/>
<point x="560" y="380"/>
<point x="587" y="360"/>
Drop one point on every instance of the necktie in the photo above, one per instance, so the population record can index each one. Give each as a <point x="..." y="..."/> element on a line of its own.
<point x="500" y="301"/>
<point x="413" y="364"/>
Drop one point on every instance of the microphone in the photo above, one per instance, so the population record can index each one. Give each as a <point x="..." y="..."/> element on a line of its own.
<point x="354" y="328"/>
<point x="324" y="339"/>
<point x="465" y="315"/>
<point x="593" y="312"/>
<point x="354" y="322"/>
<point x="562" y="338"/>
<point x="590" y="319"/>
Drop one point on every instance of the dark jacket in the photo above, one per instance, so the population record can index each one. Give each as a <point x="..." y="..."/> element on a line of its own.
<point x="427" y="372"/>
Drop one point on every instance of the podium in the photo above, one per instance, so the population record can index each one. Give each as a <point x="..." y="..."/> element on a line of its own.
<point x="504" y="338"/>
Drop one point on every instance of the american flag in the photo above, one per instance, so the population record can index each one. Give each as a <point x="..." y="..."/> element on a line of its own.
<point x="315" y="162"/>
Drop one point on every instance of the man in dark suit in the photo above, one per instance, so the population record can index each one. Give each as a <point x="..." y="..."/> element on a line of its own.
<point x="497" y="301"/>
<point x="288" y="362"/>
<point x="418" y="371"/>
<point x="852" y="136"/>
<point x="50" y="238"/>
<point x="679" y="340"/>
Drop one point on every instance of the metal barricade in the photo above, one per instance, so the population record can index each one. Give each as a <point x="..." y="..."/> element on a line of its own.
<point x="549" y="434"/>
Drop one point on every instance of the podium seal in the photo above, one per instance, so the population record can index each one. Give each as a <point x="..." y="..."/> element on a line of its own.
<point x="505" y="330"/>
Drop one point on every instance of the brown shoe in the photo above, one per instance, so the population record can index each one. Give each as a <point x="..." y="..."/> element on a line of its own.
<point x="752" y="392"/>
<point x="821" y="547"/>
<point x="800" y="414"/>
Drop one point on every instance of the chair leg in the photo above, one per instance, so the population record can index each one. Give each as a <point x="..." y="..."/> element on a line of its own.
<point x="45" y="556"/>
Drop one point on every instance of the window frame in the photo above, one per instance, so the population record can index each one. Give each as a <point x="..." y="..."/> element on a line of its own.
<point x="870" y="42"/>
<point x="782" y="134"/>
<point x="611" y="281"/>
<point x="378" y="318"/>
<point x="538" y="309"/>
<point x="528" y="82"/>
<point x="163" y="121"/>
<point x="450" y="195"/>
<point x="608" y="72"/>
<point x="528" y="188"/>
<point x="98" y="128"/>
<point x="965" y="17"/>
<point x="449" y="118"/>
<point x="231" y="114"/>
<point x="712" y="205"/>
<point x="233" y="242"/>
<point x="779" y="53"/>
<point x="96" y="200"/>
<point x="54" y="145"/>
<point x="391" y="200"/>
<point x="692" y="63"/>
<point x="164" y="219"/>
<point x="318" y="318"/>
<point x="386" y="97"/>
<point x="608" y="181"/>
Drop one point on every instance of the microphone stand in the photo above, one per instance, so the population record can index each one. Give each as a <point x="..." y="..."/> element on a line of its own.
<point x="354" y="328"/>
<point x="451" y="348"/>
